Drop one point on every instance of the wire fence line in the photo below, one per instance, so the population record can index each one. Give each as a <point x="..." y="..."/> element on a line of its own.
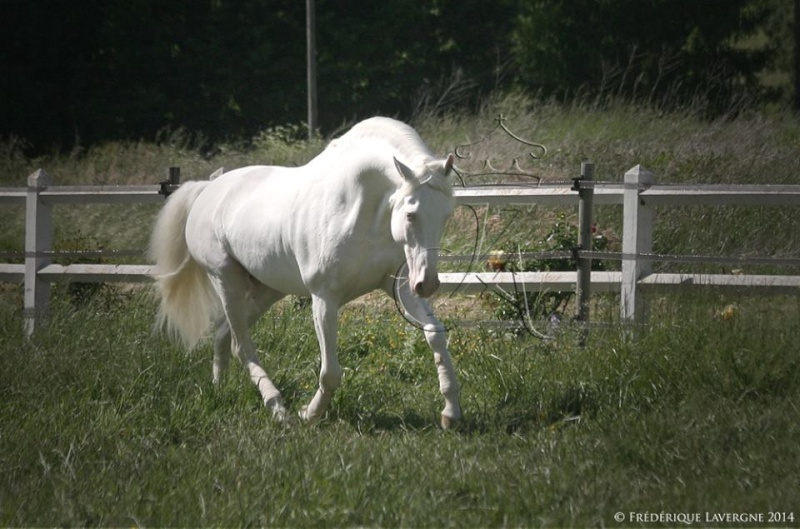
<point x="475" y="258"/>
<point x="577" y="253"/>
<point x="75" y="254"/>
<point x="637" y="194"/>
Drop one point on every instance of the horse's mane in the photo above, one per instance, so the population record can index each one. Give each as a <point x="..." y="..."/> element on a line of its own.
<point x="400" y="137"/>
<point x="403" y="138"/>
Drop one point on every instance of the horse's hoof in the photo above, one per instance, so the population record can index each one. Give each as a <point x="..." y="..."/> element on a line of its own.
<point x="450" y="423"/>
<point x="279" y="413"/>
<point x="305" y="416"/>
<point x="282" y="417"/>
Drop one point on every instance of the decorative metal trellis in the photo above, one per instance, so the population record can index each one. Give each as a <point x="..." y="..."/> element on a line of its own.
<point x="517" y="166"/>
<point x="473" y="169"/>
<point x="510" y="175"/>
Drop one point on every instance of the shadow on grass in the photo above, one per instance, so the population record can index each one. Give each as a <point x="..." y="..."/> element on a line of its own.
<point x="471" y="425"/>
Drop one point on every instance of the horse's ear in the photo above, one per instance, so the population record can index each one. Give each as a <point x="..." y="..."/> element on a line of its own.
<point x="405" y="171"/>
<point x="448" y="164"/>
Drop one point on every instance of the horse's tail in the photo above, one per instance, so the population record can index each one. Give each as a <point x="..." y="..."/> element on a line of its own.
<point x="188" y="301"/>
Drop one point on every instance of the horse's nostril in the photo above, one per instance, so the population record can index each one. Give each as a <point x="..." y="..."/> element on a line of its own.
<point x="424" y="290"/>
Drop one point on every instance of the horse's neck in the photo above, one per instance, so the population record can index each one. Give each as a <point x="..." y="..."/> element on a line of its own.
<point x="358" y="166"/>
<point x="376" y="190"/>
<point x="369" y="187"/>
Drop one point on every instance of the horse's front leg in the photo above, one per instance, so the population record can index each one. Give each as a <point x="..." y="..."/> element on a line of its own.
<point x="419" y="310"/>
<point x="330" y="374"/>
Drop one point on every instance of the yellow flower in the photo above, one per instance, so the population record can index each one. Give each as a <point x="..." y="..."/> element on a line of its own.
<point x="497" y="260"/>
<point x="729" y="312"/>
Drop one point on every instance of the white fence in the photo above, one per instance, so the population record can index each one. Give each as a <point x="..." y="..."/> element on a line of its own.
<point x="638" y="196"/>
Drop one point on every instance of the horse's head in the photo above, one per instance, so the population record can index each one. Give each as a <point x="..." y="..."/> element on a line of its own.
<point x="420" y="209"/>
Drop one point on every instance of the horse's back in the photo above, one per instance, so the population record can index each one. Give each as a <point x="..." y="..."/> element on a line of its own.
<point x="252" y="186"/>
<point x="245" y="179"/>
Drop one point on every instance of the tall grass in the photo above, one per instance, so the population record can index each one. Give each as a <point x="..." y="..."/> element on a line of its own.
<point x="104" y="423"/>
<point x="676" y="147"/>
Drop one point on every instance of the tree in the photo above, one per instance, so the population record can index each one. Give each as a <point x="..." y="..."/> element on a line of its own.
<point x="94" y="71"/>
<point x="796" y="49"/>
<point x="666" y="52"/>
<point x="386" y="57"/>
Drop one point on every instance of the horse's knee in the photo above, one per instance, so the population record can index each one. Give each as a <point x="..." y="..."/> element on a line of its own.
<point x="436" y="338"/>
<point x="330" y="379"/>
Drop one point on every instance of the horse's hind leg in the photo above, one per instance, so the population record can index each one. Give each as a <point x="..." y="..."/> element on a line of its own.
<point x="260" y="300"/>
<point x="222" y="348"/>
<point x="232" y="284"/>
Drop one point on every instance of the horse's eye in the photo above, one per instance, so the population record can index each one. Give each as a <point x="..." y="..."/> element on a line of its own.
<point x="411" y="217"/>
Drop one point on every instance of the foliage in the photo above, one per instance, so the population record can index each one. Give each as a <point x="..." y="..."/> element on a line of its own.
<point x="663" y="52"/>
<point x="73" y="244"/>
<point x="284" y="145"/>
<point x="227" y="69"/>
<point x="223" y="70"/>
<point x="521" y="257"/>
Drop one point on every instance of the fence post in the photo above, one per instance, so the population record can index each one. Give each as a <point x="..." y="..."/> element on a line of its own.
<point x="637" y="238"/>
<point x="38" y="239"/>
<point x="584" y="265"/>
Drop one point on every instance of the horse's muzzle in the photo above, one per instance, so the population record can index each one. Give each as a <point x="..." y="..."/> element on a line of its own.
<point x="427" y="286"/>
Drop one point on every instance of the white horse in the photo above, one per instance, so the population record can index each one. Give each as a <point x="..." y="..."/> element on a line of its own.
<point x="336" y="228"/>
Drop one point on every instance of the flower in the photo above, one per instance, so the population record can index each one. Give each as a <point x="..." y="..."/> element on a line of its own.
<point x="729" y="312"/>
<point x="497" y="260"/>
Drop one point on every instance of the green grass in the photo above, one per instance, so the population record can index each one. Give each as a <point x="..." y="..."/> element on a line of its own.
<point x="104" y="423"/>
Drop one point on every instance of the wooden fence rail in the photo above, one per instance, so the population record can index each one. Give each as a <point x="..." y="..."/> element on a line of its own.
<point x="638" y="196"/>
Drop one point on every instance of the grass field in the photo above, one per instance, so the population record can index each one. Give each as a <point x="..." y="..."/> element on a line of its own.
<point x="103" y="423"/>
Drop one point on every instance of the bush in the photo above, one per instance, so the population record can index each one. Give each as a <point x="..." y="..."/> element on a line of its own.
<point x="514" y="257"/>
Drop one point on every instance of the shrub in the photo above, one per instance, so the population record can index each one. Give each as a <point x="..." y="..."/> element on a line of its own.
<point x="542" y="256"/>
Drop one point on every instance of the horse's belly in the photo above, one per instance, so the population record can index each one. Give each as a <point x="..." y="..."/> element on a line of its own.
<point x="281" y="278"/>
<point x="268" y="262"/>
